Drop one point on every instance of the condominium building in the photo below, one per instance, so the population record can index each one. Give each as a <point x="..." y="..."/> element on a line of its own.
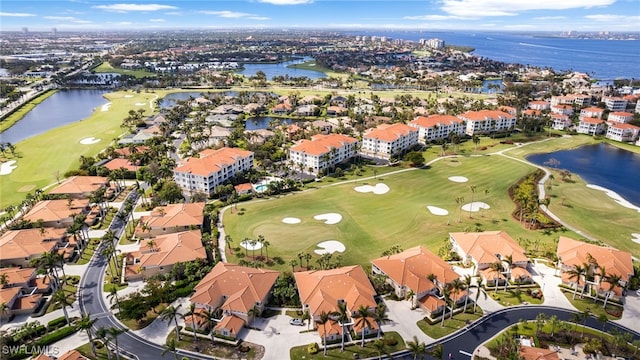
<point x="436" y="127"/>
<point x="622" y="132"/>
<point x="620" y="116"/>
<point x="487" y="121"/>
<point x="592" y="112"/>
<point x="322" y="152"/>
<point x="590" y="126"/>
<point x="387" y="140"/>
<point x="615" y="103"/>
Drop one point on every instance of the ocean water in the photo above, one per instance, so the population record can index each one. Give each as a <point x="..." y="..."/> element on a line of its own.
<point x="602" y="59"/>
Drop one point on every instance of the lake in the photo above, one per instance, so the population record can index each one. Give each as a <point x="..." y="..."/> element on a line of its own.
<point x="603" y="165"/>
<point x="63" y="107"/>
<point x="281" y="69"/>
<point x="259" y="123"/>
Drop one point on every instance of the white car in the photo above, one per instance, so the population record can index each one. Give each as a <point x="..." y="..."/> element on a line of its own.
<point x="296" y="321"/>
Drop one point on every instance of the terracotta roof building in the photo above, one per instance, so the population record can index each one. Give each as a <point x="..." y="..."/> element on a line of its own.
<point x="322" y="152"/>
<point x="436" y="127"/>
<point x="487" y="121"/>
<point x="387" y="140"/>
<point x="57" y="213"/>
<point x="211" y="168"/>
<point x="158" y="255"/>
<point x="80" y="186"/>
<point x="620" y="116"/>
<point x="19" y="247"/>
<point x="622" y="132"/>
<point x="171" y="218"/>
<point x="590" y="126"/>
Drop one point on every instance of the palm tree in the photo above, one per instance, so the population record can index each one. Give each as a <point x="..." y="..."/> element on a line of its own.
<point x="540" y="320"/>
<point x="101" y="333"/>
<point x="172" y="346"/>
<point x="455" y="287"/>
<point x="380" y="316"/>
<point x="86" y="323"/>
<point x="61" y="298"/>
<point x="554" y="322"/>
<point x="4" y="309"/>
<point x="323" y="319"/>
<point x="343" y="317"/>
<point x="171" y="314"/>
<point x="603" y="319"/>
<point x="115" y="332"/>
<point x="293" y="263"/>
<point x="266" y="245"/>
<point x="459" y="200"/>
<point x="437" y="351"/>
<point x="261" y="242"/>
<point x="380" y="347"/>
<point x="476" y="141"/>
<point x="113" y="296"/>
<point x="210" y="316"/>
<point x="497" y="269"/>
<point x="602" y="276"/>
<point x="362" y="320"/>
<point x="416" y="347"/>
<point x="613" y="280"/>
<point x="307" y="257"/>
<point x="479" y="287"/>
<point x="473" y="192"/>
<point x="229" y="240"/>
<point x="577" y="272"/>
<point x="509" y="260"/>
<point x="192" y="312"/>
<point x="254" y="312"/>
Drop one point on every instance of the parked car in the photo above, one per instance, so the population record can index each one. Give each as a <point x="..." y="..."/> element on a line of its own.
<point x="296" y="321"/>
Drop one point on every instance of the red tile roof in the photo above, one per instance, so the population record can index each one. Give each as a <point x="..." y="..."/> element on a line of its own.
<point x="483" y="246"/>
<point x="389" y="133"/>
<point x="573" y="252"/>
<point x="436" y="120"/>
<point x="322" y="144"/>
<point x="211" y="161"/>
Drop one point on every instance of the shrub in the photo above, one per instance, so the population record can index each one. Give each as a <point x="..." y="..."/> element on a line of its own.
<point x="313" y="348"/>
<point x="55" y="336"/>
<point x="56" y="323"/>
<point x="390" y="341"/>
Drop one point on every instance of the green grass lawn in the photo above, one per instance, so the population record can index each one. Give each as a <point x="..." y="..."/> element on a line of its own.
<point x="374" y="223"/>
<point x="88" y="252"/>
<point x="300" y="352"/>
<point x="458" y="322"/>
<point x="595" y="308"/>
<point x="219" y="350"/>
<point x="43" y="158"/>
<point x="513" y="297"/>
<point x="105" y="67"/>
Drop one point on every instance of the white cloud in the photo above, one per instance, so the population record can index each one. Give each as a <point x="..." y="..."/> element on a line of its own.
<point x="234" y="15"/>
<point x="68" y="19"/>
<point x="476" y="8"/>
<point x="16" y="14"/>
<point x="550" y="18"/>
<point x="156" y="20"/>
<point x="176" y="13"/>
<point x="286" y="2"/>
<point x="432" y="17"/>
<point x="259" y="18"/>
<point x="614" y="18"/>
<point x="134" y="7"/>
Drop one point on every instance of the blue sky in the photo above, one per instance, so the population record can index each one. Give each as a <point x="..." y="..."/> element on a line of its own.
<point x="502" y="15"/>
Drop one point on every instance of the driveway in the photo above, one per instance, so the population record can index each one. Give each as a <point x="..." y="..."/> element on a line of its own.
<point x="403" y="320"/>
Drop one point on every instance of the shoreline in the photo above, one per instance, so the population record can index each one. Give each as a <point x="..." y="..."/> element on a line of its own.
<point x="7" y="121"/>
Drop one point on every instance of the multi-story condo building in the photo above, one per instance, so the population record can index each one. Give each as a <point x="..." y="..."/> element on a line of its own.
<point x="560" y="122"/>
<point x="571" y="99"/>
<point x="387" y="140"/>
<point x="322" y="152"/>
<point x="592" y="112"/>
<point x="615" y="103"/>
<point x="620" y="116"/>
<point x="436" y="127"/>
<point x="212" y="168"/>
<point x="487" y="121"/>
<point x="539" y="105"/>
<point x="622" y="132"/>
<point x="590" y="126"/>
<point x="562" y="109"/>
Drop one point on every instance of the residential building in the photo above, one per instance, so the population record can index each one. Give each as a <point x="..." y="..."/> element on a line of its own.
<point x="171" y="218"/>
<point x="562" y="109"/>
<point x="322" y="290"/>
<point x="509" y="110"/>
<point x="237" y="290"/>
<point x="283" y="108"/>
<point x="158" y="255"/>
<point x="620" y="116"/>
<point x="532" y="113"/>
<point x="536" y="353"/>
<point x="211" y="168"/>
<point x="482" y="249"/>
<point x="539" y="105"/>
<point x="560" y="122"/>
<point x="622" y="132"/>
<point x="417" y="274"/>
<point x="57" y="213"/>
<point x="592" y="112"/>
<point x="336" y="111"/>
<point x="487" y="121"/>
<point x="436" y="127"/>
<point x="572" y="253"/>
<point x="387" y="140"/>
<point x="614" y="103"/>
<point x="19" y="302"/>
<point x="571" y="99"/>
<point x="79" y="187"/>
<point x="561" y="100"/>
<point x="322" y="152"/>
<point x="591" y="126"/>
<point x="19" y="247"/>
<point x="119" y="163"/>
<point x="141" y="136"/>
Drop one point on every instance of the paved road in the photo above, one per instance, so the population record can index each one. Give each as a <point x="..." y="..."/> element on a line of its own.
<point x="460" y="344"/>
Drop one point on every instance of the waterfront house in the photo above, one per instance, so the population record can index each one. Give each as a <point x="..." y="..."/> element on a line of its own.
<point x="591" y="126"/>
<point x="211" y="168"/>
<point x="158" y="255"/>
<point x="322" y="290"/>
<point x="594" y="258"/>
<point x="282" y="109"/>
<point x="417" y="274"/>
<point x="622" y="132"/>
<point x="169" y="219"/>
<point x="436" y="127"/>
<point x="387" y="140"/>
<point x="560" y="122"/>
<point x="487" y="121"/>
<point x="322" y="152"/>
<point x="620" y="116"/>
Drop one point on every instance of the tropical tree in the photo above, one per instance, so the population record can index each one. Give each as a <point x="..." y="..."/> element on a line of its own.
<point x="540" y="320"/>
<point x="459" y="200"/>
<point x="343" y="317"/>
<point x="554" y="322"/>
<point x="577" y="272"/>
<point x="293" y="263"/>
<point x="614" y="281"/>
<point x="473" y="192"/>
<point x="193" y="313"/>
<point x="61" y="298"/>
<point x="322" y="320"/>
<point x="416" y="348"/>
<point x="228" y="240"/>
<point x="380" y="347"/>
<point x="380" y="316"/>
<point x="210" y="316"/>
<point x="363" y="321"/>
<point x="509" y="261"/>
<point x="476" y="141"/>
<point x="478" y="286"/>
<point x="497" y="269"/>
<point x="437" y="351"/>
<point x="254" y="312"/>
<point x="86" y="323"/>
<point x="114" y="332"/>
<point x="171" y="346"/>
<point x="171" y="314"/>
<point x="102" y="335"/>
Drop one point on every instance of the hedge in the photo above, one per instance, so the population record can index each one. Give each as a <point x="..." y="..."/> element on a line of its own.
<point x="56" y="323"/>
<point x="55" y="336"/>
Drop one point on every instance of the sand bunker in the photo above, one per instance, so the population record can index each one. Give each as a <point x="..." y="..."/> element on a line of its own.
<point x="106" y="107"/>
<point x="329" y="247"/>
<point x="458" y="179"/>
<point x="89" y="141"/>
<point x="291" y="220"/>
<point x="247" y="245"/>
<point x="329" y="218"/>
<point x="615" y="196"/>
<point x="475" y="206"/>
<point x="7" y="167"/>
<point x="128" y="96"/>
<point x="437" y="211"/>
<point x="636" y="238"/>
<point x="140" y="104"/>
<point x="378" y="189"/>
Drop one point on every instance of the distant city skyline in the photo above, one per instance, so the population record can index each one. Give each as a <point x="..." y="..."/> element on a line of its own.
<point x="477" y="15"/>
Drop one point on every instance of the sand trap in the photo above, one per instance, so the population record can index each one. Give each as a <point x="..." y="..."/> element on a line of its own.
<point x="615" y="196"/>
<point x="329" y="218"/>
<point x="7" y="167"/>
<point x="89" y="141"/>
<point x="378" y="189"/>
<point x="437" y="211"/>
<point x="128" y="96"/>
<point x="329" y="247"/>
<point x="458" y="179"/>
<point x="140" y="104"/>
<point x="247" y="245"/>
<point x="106" y="107"/>
<point x="291" y="220"/>
<point x="475" y="206"/>
<point x="636" y="238"/>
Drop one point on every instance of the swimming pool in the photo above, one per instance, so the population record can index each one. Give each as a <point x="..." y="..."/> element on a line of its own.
<point x="261" y="187"/>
